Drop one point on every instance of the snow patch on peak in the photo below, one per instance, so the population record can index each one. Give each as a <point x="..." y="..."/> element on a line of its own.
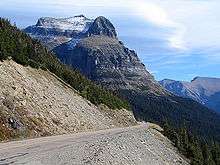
<point x="77" y="23"/>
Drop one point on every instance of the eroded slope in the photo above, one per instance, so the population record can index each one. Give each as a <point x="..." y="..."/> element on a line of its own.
<point x="36" y="103"/>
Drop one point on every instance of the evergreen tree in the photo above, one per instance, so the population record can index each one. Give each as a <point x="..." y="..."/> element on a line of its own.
<point x="208" y="160"/>
<point x="215" y="150"/>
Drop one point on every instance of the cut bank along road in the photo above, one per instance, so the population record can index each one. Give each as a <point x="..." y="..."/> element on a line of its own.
<point x="139" y="145"/>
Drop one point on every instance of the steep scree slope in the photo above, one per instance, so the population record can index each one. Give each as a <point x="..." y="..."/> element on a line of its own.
<point x="36" y="103"/>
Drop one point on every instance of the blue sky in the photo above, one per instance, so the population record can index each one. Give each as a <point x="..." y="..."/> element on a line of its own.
<point x="176" y="39"/>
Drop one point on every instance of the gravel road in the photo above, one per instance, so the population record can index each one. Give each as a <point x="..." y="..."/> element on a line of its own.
<point x="139" y="145"/>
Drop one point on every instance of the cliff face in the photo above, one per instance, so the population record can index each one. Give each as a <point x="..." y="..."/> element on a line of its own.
<point x="102" y="26"/>
<point x="36" y="103"/>
<point x="103" y="58"/>
<point x="108" y="62"/>
<point x="95" y="51"/>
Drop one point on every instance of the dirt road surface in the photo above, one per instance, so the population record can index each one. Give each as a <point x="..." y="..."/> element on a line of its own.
<point x="137" y="145"/>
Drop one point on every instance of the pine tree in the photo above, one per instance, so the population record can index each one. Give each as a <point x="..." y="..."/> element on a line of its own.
<point x="208" y="160"/>
<point x="216" y="152"/>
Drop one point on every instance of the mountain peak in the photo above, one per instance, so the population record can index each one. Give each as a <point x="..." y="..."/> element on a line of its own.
<point x="195" y="78"/>
<point x="205" y="90"/>
<point x="78" y="23"/>
<point x="80" y="15"/>
<point x="102" y="26"/>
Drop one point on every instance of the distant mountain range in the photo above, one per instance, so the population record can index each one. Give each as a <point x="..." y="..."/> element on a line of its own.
<point x="205" y="90"/>
<point x="97" y="53"/>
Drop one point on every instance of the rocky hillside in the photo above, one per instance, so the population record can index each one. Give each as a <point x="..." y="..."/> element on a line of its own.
<point x="202" y="89"/>
<point x="24" y="50"/>
<point x="37" y="103"/>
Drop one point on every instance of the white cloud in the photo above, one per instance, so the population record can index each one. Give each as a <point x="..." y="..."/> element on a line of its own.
<point x="155" y="14"/>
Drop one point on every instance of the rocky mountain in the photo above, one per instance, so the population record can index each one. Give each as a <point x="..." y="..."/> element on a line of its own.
<point x="202" y="89"/>
<point x="106" y="60"/>
<point x="102" y="26"/>
<point x="96" y="52"/>
<point x="40" y="96"/>
<point x="103" y="58"/>
<point x="55" y="31"/>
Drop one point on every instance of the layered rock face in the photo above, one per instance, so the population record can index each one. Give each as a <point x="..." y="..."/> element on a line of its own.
<point x="202" y="89"/>
<point x="55" y="31"/>
<point x="105" y="59"/>
<point x="108" y="62"/>
<point x="102" y="26"/>
<point x="94" y="49"/>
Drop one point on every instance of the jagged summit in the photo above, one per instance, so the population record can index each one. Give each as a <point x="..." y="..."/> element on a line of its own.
<point x="90" y="48"/>
<point x="77" y="23"/>
<point x="195" y="78"/>
<point x="55" y="31"/>
<point x="102" y="26"/>
<point x="198" y="78"/>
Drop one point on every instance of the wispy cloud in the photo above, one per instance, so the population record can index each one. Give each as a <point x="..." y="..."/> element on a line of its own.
<point x="155" y="14"/>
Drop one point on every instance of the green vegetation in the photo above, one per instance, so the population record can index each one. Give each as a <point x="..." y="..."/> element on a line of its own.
<point x="200" y="152"/>
<point x="198" y="119"/>
<point x="26" y="51"/>
<point x="194" y="129"/>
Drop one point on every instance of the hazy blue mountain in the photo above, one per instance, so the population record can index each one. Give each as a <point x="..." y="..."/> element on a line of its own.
<point x="205" y="90"/>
